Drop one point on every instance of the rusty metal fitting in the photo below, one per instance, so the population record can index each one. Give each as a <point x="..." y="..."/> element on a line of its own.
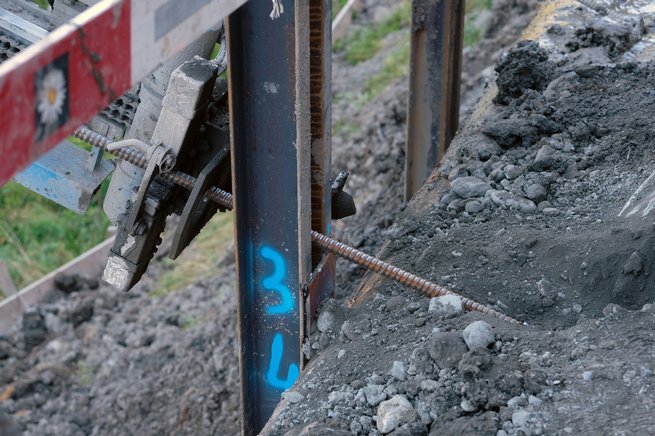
<point x="399" y="275"/>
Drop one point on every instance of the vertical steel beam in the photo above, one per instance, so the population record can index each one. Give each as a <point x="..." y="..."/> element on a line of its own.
<point x="271" y="146"/>
<point x="320" y="52"/>
<point x="434" y="82"/>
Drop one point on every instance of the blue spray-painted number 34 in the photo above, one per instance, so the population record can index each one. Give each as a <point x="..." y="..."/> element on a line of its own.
<point x="275" y="282"/>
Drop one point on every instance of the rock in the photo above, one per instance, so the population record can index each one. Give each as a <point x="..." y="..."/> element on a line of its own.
<point x="587" y="375"/>
<point x="325" y="321"/>
<point x="348" y="330"/>
<point x="82" y="312"/>
<point x="374" y="394"/>
<point x="338" y="397"/>
<point x="393" y="413"/>
<point x="468" y="406"/>
<point x="356" y="427"/>
<point x="468" y="187"/>
<point x="550" y="211"/>
<point x="524" y="67"/>
<point x="473" y="207"/>
<point x="5" y="348"/>
<point x="497" y="175"/>
<point x="398" y="370"/>
<point x="536" y="192"/>
<point x="341" y="353"/>
<point x="512" y="201"/>
<point x="413" y="306"/>
<point x="634" y="264"/>
<point x="478" y="334"/>
<point x="544" y="159"/>
<point x="512" y="172"/>
<point x="7" y="425"/>
<point x="293" y="397"/>
<point x="535" y="401"/>
<point x="429" y="385"/>
<point x="520" y="418"/>
<point x="34" y="328"/>
<point x="448" y="305"/>
<point x="446" y="349"/>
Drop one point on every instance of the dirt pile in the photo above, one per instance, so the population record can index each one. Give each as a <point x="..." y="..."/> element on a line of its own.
<point x="523" y="216"/>
<point x="97" y="362"/>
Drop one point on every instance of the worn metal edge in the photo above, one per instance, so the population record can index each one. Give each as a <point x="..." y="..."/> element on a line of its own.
<point x="11" y="308"/>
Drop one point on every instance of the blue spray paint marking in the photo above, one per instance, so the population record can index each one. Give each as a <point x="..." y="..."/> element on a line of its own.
<point x="277" y="349"/>
<point x="275" y="282"/>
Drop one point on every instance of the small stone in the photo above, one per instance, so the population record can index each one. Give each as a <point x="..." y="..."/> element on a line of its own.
<point x="448" y="305"/>
<point x="397" y="370"/>
<point x="374" y="394"/>
<point x="293" y="397"/>
<point x="577" y="308"/>
<point x="497" y="175"/>
<point x="356" y="427"/>
<point x="587" y="375"/>
<point x="550" y="211"/>
<point x="478" y="334"/>
<point x="34" y="328"/>
<point x="534" y="401"/>
<point x="512" y="172"/>
<point x="337" y="397"/>
<point x="536" y="192"/>
<point x="325" y="321"/>
<point x="446" y="349"/>
<point x="341" y="353"/>
<point x="82" y="312"/>
<point x="468" y="406"/>
<point x="543" y="205"/>
<point x="413" y="306"/>
<point x="473" y="207"/>
<point x="634" y="264"/>
<point x="429" y="385"/>
<point x="544" y="158"/>
<point x="520" y="418"/>
<point x="393" y="413"/>
<point x="468" y="187"/>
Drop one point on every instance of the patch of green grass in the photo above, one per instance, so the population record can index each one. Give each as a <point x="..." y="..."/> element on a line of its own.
<point x="345" y="128"/>
<point x="473" y="34"/>
<point x="364" y="43"/>
<point x="37" y="235"/>
<point x="199" y="259"/>
<point x="395" y="65"/>
<point x="43" y="4"/>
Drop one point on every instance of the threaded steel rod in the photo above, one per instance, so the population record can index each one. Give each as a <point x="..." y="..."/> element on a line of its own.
<point x="399" y="275"/>
<point x="324" y="242"/>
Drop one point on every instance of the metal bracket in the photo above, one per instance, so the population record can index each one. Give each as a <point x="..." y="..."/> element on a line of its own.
<point x="198" y="209"/>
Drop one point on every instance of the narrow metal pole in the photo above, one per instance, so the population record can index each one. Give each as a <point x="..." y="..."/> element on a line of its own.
<point x="434" y="81"/>
<point x="268" y="80"/>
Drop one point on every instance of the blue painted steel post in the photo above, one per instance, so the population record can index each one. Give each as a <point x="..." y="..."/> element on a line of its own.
<point x="270" y="133"/>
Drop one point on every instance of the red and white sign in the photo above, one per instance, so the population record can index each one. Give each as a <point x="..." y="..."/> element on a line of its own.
<point x="60" y="82"/>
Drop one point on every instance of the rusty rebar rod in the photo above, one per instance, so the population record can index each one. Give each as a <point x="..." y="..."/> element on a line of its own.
<point x="393" y="272"/>
<point x="324" y="242"/>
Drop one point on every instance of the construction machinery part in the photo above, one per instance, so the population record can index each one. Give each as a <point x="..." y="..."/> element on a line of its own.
<point x="67" y="175"/>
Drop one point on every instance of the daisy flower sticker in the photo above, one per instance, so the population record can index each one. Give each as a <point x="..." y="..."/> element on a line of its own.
<point x="52" y="96"/>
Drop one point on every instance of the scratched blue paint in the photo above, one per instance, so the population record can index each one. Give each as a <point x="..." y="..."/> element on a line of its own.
<point x="61" y="176"/>
<point x="272" y="375"/>
<point x="275" y="282"/>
